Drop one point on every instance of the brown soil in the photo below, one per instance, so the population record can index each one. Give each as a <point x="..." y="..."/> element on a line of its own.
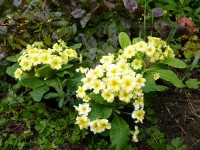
<point x="179" y="114"/>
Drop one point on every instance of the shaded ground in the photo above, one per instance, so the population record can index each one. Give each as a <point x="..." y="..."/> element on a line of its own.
<point x="179" y="114"/>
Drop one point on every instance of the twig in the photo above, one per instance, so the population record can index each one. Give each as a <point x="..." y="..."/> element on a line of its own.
<point x="175" y="119"/>
<point x="191" y="107"/>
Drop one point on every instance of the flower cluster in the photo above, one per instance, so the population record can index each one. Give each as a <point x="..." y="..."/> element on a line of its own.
<point x="118" y="78"/>
<point x="97" y="126"/>
<point x="156" y="49"/>
<point x="35" y="56"/>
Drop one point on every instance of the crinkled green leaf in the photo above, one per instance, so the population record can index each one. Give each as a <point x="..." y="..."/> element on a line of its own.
<point x="97" y="98"/>
<point x="13" y="58"/>
<point x="119" y="133"/>
<point x="75" y="46"/>
<point x="193" y="83"/>
<point x="32" y="82"/>
<point x="61" y="102"/>
<point x="52" y="82"/>
<point x="124" y="40"/>
<point x="100" y="111"/>
<point x="65" y="72"/>
<point x="11" y="70"/>
<point x="72" y="84"/>
<point x="45" y="71"/>
<point x="178" y="143"/>
<point x="174" y="62"/>
<point x="38" y="93"/>
<point x="51" y="95"/>
<point x="136" y="40"/>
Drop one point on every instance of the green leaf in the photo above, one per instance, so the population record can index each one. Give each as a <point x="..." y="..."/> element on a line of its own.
<point x="11" y="70"/>
<point x="72" y="84"/>
<point x="177" y="143"/>
<point x="38" y="93"/>
<point x="51" y="95"/>
<point x="150" y="84"/>
<point x="13" y="58"/>
<point x="75" y="46"/>
<point x="174" y="62"/>
<point x="47" y="40"/>
<point x="100" y="111"/>
<point x="32" y="82"/>
<point x="136" y="40"/>
<point x="45" y="71"/>
<point x="61" y="102"/>
<point x="52" y="82"/>
<point x="124" y="40"/>
<point x="170" y="76"/>
<point x="181" y="1"/>
<point x="149" y="87"/>
<point x="65" y="72"/>
<point x="97" y="98"/>
<point x="193" y="83"/>
<point x="166" y="74"/>
<point x="188" y="9"/>
<point x="85" y="19"/>
<point x="119" y="133"/>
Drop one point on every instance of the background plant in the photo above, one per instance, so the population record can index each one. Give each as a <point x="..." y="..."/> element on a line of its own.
<point x="41" y="69"/>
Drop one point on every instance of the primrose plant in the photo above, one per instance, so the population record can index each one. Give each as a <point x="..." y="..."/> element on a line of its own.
<point x="42" y="69"/>
<point x="113" y="92"/>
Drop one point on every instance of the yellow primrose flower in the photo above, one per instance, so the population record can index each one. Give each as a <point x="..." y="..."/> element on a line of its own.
<point x="56" y="62"/>
<point x="64" y="57"/>
<point x="25" y="65"/>
<point x="57" y="47"/>
<point x="136" y="64"/>
<point x="169" y="52"/>
<point x="150" y="50"/>
<point x="104" y="124"/>
<point x="135" y="133"/>
<point x="38" y="44"/>
<point x="138" y="114"/>
<point x="32" y="51"/>
<point x="141" y="46"/>
<point x="83" y="109"/>
<point x="82" y="122"/>
<point x="45" y="58"/>
<point x="129" y="51"/>
<point x="87" y="81"/>
<point x="80" y="92"/>
<point x="86" y="98"/>
<point x="127" y="83"/>
<point x="139" y="80"/>
<point x="95" y="126"/>
<point x="71" y="53"/>
<point x="156" y="76"/>
<point x="35" y="59"/>
<point x="155" y="57"/>
<point x="114" y="83"/>
<point x="113" y="70"/>
<point x="106" y="59"/>
<point x="125" y="96"/>
<point x="122" y="66"/>
<point x="107" y="95"/>
<point x="99" y="125"/>
<point x="121" y="58"/>
<point x="18" y="73"/>
<point x="139" y="103"/>
<point x="97" y="85"/>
